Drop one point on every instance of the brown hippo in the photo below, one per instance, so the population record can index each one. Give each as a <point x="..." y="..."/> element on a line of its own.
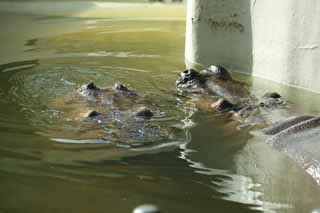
<point x="118" y="115"/>
<point x="214" y="89"/>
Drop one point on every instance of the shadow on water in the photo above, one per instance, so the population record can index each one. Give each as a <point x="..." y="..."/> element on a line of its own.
<point x="251" y="171"/>
<point x="120" y="186"/>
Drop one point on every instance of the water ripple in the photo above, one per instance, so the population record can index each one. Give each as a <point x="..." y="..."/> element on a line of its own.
<point x="106" y="54"/>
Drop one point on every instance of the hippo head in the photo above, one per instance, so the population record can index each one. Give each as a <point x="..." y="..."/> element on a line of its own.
<point x="218" y="72"/>
<point x="271" y="100"/>
<point x="190" y="81"/>
<point x="193" y="81"/>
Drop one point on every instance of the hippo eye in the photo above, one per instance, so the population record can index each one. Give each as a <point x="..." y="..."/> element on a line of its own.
<point x="186" y="72"/>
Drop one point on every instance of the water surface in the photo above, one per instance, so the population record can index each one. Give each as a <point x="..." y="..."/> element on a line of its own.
<point x="213" y="168"/>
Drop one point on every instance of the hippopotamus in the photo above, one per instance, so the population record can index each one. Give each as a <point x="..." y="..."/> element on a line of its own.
<point x="298" y="137"/>
<point x="214" y="89"/>
<point x="118" y="115"/>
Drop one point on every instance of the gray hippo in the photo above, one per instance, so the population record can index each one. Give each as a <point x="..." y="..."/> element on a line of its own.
<point x="214" y="89"/>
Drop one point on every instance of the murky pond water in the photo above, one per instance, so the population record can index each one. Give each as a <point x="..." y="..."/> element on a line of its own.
<point x="210" y="167"/>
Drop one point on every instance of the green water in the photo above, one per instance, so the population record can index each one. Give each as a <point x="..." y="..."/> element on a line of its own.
<point x="214" y="168"/>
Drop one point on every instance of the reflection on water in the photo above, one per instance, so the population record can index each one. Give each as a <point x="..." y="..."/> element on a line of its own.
<point x="18" y="65"/>
<point x="48" y="164"/>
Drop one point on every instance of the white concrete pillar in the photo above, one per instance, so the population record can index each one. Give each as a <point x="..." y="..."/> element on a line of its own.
<point x="272" y="39"/>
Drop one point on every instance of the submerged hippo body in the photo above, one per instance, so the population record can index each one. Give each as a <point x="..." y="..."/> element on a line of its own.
<point x="214" y="89"/>
<point x="298" y="137"/>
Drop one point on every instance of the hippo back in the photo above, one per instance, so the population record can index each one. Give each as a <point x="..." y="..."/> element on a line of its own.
<point x="301" y="143"/>
<point x="231" y="90"/>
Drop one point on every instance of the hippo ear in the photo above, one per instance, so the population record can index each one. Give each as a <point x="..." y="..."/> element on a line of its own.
<point x="91" y="86"/>
<point x="119" y="86"/>
<point x="93" y="114"/>
<point x="189" y="74"/>
<point x="223" y="73"/>
<point x="214" y="68"/>
<point x="218" y="71"/>
<point x="144" y="113"/>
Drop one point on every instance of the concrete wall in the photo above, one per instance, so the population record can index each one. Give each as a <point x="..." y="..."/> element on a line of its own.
<point x="276" y="40"/>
